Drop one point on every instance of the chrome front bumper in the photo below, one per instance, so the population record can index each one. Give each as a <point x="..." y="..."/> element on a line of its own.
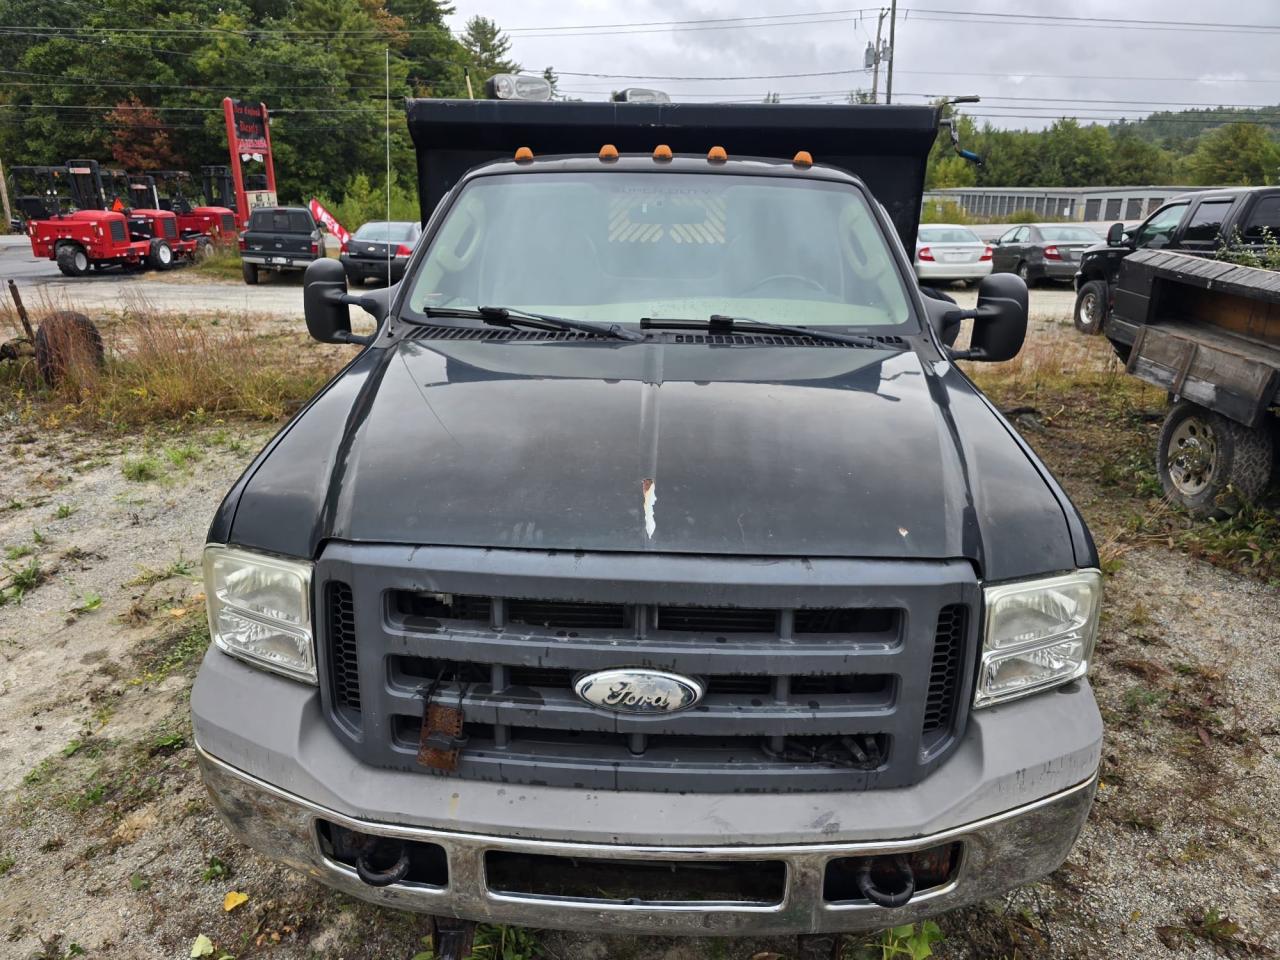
<point x="999" y="853"/>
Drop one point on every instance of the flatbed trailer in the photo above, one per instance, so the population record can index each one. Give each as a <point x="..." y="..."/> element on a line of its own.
<point x="1208" y="332"/>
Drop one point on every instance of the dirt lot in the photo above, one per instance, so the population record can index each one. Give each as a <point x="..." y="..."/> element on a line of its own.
<point x="108" y="847"/>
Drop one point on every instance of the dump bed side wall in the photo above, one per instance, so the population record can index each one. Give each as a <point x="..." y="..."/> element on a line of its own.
<point x="1203" y="329"/>
<point x="886" y="146"/>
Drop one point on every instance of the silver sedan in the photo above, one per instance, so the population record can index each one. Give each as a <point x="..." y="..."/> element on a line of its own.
<point x="947" y="252"/>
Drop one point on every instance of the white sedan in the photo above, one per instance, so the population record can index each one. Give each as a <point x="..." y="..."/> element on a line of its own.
<point x="947" y="252"/>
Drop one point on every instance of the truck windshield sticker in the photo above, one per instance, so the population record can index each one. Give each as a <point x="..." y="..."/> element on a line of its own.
<point x="651" y="217"/>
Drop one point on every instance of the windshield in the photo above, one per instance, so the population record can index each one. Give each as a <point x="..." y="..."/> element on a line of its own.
<point x="948" y="235"/>
<point x="382" y="230"/>
<point x="1069" y="235"/>
<point x="615" y="247"/>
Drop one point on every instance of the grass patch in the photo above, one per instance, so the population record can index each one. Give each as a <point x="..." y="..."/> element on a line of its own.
<point x="166" y="367"/>
<point x="222" y="264"/>
<point x="142" y="469"/>
<point x="17" y="582"/>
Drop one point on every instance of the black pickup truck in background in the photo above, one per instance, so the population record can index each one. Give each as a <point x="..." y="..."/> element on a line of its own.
<point x="280" y="239"/>
<point x="1194" y="223"/>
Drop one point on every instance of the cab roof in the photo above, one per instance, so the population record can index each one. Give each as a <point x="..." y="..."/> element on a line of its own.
<point x="884" y="146"/>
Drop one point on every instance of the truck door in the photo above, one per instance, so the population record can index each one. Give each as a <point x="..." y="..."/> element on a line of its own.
<point x="1202" y="231"/>
<point x="1159" y="229"/>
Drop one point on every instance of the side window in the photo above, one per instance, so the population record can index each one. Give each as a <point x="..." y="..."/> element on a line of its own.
<point x="1020" y="235"/>
<point x="1205" y="225"/>
<point x="1263" y="222"/>
<point x="1157" y="231"/>
<point x="1008" y="236"/>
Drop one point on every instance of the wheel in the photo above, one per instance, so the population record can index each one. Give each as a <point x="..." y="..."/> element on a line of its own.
<point x="1210" y="464"/>
<point x="203" y="250"/>
<point x="1091" y="307"/>
<point x="161" y="255"/>
<point x="250" y="271"/>
<point x="1024" y="274"/>
<point x="72" y="260"/>
<point x="64" y="341"/>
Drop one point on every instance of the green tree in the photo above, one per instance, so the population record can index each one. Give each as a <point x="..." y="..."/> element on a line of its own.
<point x="1236" y="154"/>
<point x="486" y="49"/>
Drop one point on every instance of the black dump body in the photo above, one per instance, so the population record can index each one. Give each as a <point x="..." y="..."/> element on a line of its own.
<point x="886" y="146"/>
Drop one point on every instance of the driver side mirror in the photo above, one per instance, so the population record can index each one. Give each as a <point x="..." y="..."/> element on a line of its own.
<point x="1115" y="235"/>
<point x="327" y="305"/>
<point x="999" y="321"/>
<point x="324" y="293"/>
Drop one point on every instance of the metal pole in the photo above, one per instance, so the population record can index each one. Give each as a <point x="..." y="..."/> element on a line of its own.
<point x="893" y="52"/>
<point x="4" y="198"/>
<point x="875" y="72"/>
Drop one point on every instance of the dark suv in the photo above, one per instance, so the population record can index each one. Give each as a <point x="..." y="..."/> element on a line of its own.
<point x="1195" y="223"/>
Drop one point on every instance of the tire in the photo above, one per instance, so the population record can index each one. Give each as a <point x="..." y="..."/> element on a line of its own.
<point x="65" y="340"/>
<point x="1091" y="307"/>
<point x="1024" y="274"/>
<point x="250" y="272"/>
<point x="72" y="260"/>
<point x="160" y="256"/>
<point x="203" y="250"/>
<point x="1209" y="464"/>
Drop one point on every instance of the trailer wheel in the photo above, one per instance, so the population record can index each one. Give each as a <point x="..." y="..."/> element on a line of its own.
<point x="250" y="271"/>
<point x="1210" y="464"/>
<point x="161" y="255"/>
<point x="64" y="341"/>
<point x="72" y="260"/>
<point x="1091" y="306"/>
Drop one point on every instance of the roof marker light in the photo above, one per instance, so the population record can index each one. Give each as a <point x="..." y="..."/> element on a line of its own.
<point x="717" y="155"/>
<point x="523" y="155"/>
<point x="662" y="152"/>
<point x="803" y="158"/>
<point x="608" y="152"/>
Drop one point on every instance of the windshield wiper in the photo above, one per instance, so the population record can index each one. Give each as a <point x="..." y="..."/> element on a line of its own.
<point x="511" y="317"/>
<point x="718" y="323"/>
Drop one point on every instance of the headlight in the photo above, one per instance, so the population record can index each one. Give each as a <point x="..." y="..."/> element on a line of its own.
<point x="1039" y="633"/>
<point x="260" y="610"/>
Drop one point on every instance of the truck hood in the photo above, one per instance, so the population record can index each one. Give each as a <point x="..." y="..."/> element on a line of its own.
<point x="663" y="447"/>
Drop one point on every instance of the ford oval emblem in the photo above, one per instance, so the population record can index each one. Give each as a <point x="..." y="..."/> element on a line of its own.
<point x="635" y="690"/>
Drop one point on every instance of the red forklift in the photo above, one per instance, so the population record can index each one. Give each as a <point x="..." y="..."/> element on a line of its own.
<point x="211" y="219"/>
<point x="39" y="192"/>
<point x="103" y="230"/>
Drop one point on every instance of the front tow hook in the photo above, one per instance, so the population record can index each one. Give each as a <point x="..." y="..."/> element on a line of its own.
<point x="900" y="887"/>
<point x="372" y="869"/>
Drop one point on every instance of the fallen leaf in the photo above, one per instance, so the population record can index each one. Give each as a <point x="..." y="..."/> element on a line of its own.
<point x="1203" y="734"/>
<point x="177" y="612"/>
<point x="233" y="899"/>
<point x="203" y="947"/>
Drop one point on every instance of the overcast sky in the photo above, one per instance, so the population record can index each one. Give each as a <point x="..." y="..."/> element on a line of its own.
<point x="1002" y="58"/>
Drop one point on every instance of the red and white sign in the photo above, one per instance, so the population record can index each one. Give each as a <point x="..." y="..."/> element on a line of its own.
<point x="327" y="218"/>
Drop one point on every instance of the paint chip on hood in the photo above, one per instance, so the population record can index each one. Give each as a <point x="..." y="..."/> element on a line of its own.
<point x="649" y="490"/>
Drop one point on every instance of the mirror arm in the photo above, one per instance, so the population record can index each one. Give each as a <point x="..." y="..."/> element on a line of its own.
<point x="345" y="336"/>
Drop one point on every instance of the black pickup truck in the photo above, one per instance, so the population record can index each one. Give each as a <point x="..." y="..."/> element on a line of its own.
<point x="1194" y="223"/>
<point x="280" y="239"/>
<point x="654" y="567"/>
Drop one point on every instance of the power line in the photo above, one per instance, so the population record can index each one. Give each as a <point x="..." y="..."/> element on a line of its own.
<point x="1125" y="23"/>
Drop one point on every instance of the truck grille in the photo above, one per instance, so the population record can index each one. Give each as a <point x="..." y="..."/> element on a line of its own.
<point x="118" y="232"/>
<point x="817" y="697"/>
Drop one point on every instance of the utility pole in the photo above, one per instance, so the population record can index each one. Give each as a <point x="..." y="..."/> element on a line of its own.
<point x="879" y="55"/>
<point x="893" y="51"/>
<point x="4" y="198"/>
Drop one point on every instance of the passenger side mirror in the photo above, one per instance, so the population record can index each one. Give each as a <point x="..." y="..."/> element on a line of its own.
<point x="1115" y="235"/>
<point x="999" y="321"/>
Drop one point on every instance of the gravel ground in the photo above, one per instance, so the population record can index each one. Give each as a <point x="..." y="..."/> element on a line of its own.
<point x="108" y="842"/>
